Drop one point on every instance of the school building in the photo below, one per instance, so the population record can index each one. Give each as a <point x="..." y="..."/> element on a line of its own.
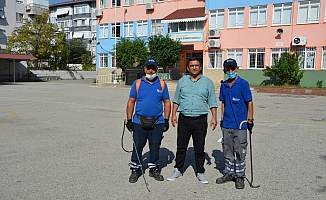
<point x="253" y="32"/>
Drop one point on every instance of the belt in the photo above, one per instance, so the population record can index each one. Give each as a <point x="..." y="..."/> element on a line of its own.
<point x="193" y="118"/>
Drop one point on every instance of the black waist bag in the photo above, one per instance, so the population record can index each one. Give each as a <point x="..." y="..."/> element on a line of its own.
<point x="147" y="122"/>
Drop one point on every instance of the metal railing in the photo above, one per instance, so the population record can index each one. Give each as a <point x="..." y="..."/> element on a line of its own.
<point x="110" y="78"/>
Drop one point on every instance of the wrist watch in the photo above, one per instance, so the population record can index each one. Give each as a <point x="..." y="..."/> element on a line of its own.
<point x="251" y="120"/>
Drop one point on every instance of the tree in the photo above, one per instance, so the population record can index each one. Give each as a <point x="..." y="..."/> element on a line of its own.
<point x="164" y="50"/>
<point x="286" y="70"/>
<point x="77" y="48"/>
<point x="41" y="39"/>
<point x="128" y="50"/>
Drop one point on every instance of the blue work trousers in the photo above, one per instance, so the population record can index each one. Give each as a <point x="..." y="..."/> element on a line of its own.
<point x="140" y="137"/>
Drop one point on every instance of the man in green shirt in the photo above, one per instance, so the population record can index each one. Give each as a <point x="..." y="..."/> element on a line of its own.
<point x="194" y="97"/>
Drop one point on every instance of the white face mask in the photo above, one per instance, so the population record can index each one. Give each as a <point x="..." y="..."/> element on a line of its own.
<point x="150" y="77"/>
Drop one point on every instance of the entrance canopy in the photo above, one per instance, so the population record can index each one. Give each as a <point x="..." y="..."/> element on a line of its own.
<point x="186" y="15"/>
<point x="16" y="57"/>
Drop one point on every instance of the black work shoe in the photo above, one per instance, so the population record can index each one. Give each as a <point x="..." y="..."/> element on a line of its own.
<point x="134" y="176"/>
<point x="225" y="178"/>
<point x="239" y="183"/>
<point x="156" y="174"/>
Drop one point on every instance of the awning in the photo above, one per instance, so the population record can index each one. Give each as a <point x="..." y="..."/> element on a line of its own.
<point x="78" y="35"/>
<point x="62" y="11"/>
<point x="186" y="15"/>
<point x="16" y="57"/>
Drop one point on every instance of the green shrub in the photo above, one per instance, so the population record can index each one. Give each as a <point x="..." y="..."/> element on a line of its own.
<point x="286" y="70"/>
<point x="319" y="83"/>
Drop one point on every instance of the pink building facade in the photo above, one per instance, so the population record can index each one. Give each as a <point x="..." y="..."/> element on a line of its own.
<point x="254" y="32"/>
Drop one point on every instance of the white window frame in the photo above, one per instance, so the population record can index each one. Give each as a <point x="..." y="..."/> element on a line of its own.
<point x="20" y="17"/>
<point x="186" y="26"/>
<point x="157" y="27"/>
<point x="128" y="2"/>
<point x="103" y="60"/>
<point x="128" y="29"/>
<point x="142" y="28"/>
<point x="141" y="1"/>
<point x="114" y="4"/>
<point x="114" y="29"/>
<point x="215" y="59"/>
<point x="261" y="15"/>
<point x="309" y="5"/>
<point x="103" y="3"/>
<point x="81" y="9"/>
<point x="323" y="59"/>
<point x="282" y="8"/>
<point x="258" y="54"/>
<point x="104" y="31"/>
<point x="216" y="20"/>
<point x="308" y="55"/>
<point x="277" y="52"/>
<point x="239" y="16"/>
<point x="237" y="55"/>
<point x="157" y="0"/>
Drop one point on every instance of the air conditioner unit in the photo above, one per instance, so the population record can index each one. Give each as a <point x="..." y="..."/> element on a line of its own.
<point x="98" y="13"/>
<point x="213" y="33"/>
<point x="214" y="43"/>
<point x="299" y="41"/>
<point x="149" y="6"/>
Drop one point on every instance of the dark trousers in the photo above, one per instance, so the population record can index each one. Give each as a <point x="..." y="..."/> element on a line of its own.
<point x="140" y="137"/>
<point x="197" y="129"/>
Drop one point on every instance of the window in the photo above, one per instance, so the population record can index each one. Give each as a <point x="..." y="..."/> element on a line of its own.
<point x="19" y="17"/>
<point x="258" y="15"/>
<point x="215" y="59"/>
<point x="256" y="58"/>
<point x="115" y="3"/>
<point x="308" y="56"/>
<point x="104" y="31"/>
<point x="282" y="14"/>
<point x="187" y="26"/>
<point x="236" y="17"/>
<point x="142" y="28"/>
<point x="103" y="60"/>
<point x="128" y="2"/>
<point x="81" y="9"/>
<point x="308" y="11"/>
<point x="157" y="0"/>
<point x="276" y="54"/>
<point x="128" y="29"/>
<point x="323" y="64"/>
<point x="216" y="19"/>
<point x="113" y="61"/>
<point x="236" y="54"/>
<point x="115" y="30"/>
<point x="157" y="27"/>
<point x="103" y="3"/>
<point x="141" y="1"/>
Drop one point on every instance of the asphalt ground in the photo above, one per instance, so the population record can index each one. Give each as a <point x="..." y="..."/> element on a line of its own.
<point x="62" y="140"/>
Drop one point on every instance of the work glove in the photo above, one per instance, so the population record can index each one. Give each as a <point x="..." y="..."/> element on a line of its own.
<point x="166" y="125"/>
<point x="250" y="126"/>
<point x="130" y="125"/>
<point x="221" y="124"/>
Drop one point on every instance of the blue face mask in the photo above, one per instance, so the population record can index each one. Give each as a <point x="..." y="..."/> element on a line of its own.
<point x="231" y="75"/>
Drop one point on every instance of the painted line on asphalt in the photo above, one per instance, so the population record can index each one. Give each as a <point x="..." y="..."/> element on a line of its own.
<point x="11" y="113"/>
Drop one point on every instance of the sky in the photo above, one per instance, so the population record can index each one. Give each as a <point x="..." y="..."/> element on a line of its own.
<point x="56" y="1"/>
